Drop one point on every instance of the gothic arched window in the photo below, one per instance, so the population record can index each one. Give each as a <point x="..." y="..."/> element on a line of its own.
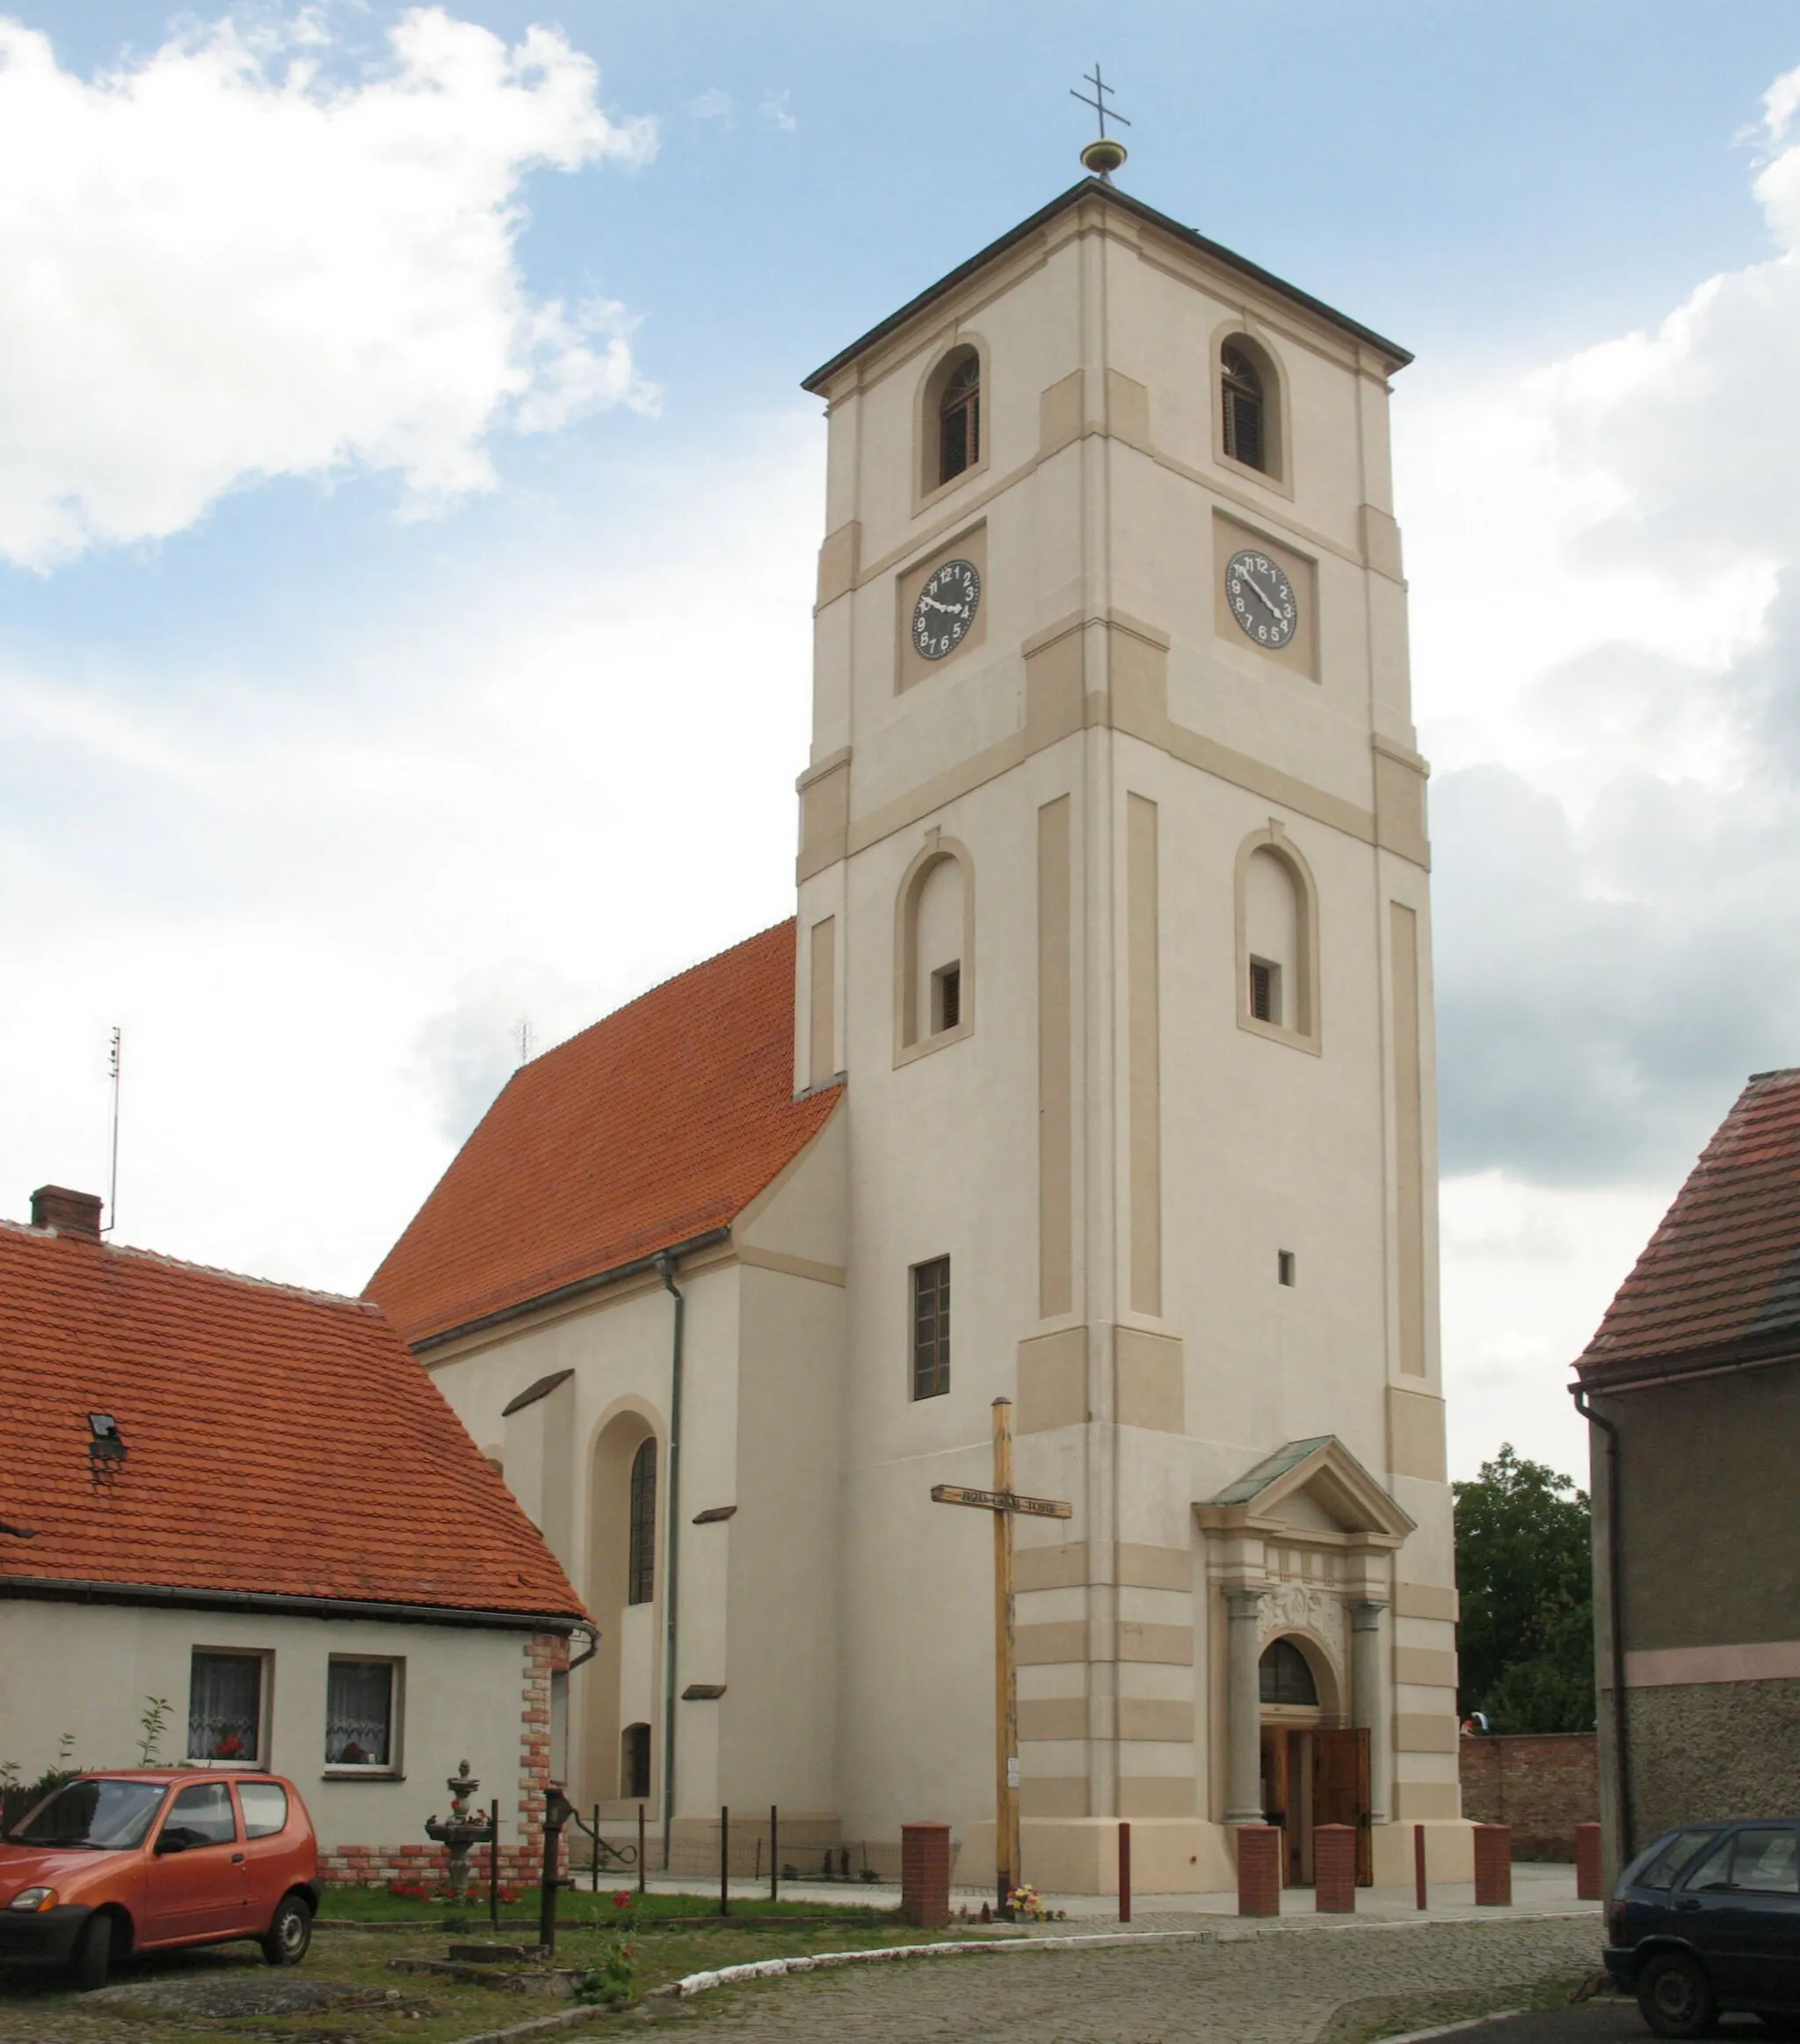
<point x="1285" y="1676"/>
<point x="958" y="416"/>
<point x="1241" y="386"/>
<point x="641" y="1564"/>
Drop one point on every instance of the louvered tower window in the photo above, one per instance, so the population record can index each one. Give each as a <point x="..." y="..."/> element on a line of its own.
<point x="959" y="419"/>
<point x="1243" y="409"/>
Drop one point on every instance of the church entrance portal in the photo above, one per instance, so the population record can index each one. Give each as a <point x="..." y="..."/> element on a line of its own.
<point x="1314" y="1770"/>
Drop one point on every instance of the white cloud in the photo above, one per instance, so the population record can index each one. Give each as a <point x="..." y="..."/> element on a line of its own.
<point x="319" y="896"/>
<point x="1604" y="554"/>
<point x="712" y="105"/>
<point x="774" y="110"/>
<point x="221" y="265"/>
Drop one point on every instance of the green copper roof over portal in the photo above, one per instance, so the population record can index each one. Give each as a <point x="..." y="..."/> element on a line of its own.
<point x="1254" y="1481"/>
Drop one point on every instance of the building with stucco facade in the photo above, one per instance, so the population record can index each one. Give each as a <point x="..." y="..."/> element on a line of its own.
<point x="239" y="1528"/>
<point x="1094" y="1072"/>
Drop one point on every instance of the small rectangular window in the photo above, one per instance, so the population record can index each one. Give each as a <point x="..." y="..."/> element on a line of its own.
<point x="360" y="1713"/>
<point x="1284" y="1266"/>
<point x="946" y="999"/>
<point x="931" y="1328"/>
<point x="225" y="1707"/>
<point x="1265" y="991"/>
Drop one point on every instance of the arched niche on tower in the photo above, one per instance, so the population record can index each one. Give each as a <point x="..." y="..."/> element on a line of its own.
<point x="934" y="949"/>
<point x="1249" y="382"/>
<point x="1277" y="940"/>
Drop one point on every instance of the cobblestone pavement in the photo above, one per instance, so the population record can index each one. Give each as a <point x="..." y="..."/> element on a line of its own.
<point x="1275" y="1987"/>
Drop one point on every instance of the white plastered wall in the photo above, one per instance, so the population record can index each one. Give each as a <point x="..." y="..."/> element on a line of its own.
<point x="90" y="1669"/>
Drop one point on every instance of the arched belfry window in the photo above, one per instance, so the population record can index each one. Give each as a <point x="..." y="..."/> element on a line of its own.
<point x="1241" y="385"/>
<point x="640" y="1561"/>
<point x="1284" y="1676"/>
<point x="958" y="416"/>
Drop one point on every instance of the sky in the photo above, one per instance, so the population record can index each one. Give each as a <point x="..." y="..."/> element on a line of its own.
<point x="407" y="511"/>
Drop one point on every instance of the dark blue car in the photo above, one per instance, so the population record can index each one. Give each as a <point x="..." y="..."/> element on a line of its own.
<point x="1709" y="1919"/>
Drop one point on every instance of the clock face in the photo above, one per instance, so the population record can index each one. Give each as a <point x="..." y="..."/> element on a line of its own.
<point x="946" y="609"/>
<point x="1262" y="598"/>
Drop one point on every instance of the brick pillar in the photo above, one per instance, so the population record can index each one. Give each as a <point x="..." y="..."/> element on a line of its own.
<point x="1334" y="1869"/>
<point x="924" y="1873"/>
<point x="1259" y="1870"/>
<point x="1493" y="1865"/>
<point x="1587" y="1873"/>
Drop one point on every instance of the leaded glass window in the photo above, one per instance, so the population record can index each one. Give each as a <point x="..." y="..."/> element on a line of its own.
<point x="641" y="1566"/>
<point x="1285" y="1676"/>
<point x="931" y="1328"/>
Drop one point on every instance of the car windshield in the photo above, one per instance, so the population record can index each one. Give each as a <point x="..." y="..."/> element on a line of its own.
<point x="107" y="1817"/>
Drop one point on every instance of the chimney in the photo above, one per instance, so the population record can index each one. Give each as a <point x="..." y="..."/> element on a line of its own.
<point x="69" y="1213"/>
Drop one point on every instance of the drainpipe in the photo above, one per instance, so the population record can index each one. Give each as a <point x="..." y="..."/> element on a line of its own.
<point x="1622" y="1768"/>
<point x="666" y="1264"/>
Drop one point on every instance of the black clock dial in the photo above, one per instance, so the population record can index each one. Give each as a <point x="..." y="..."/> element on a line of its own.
<point x="1262" y="598"/>
<point x="946" y="608"/>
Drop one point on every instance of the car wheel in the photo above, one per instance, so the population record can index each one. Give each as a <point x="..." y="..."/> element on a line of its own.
<point x="1675" y="1996"/>
<point x="289" y="1933"/>
<point x="93" y="1954"/>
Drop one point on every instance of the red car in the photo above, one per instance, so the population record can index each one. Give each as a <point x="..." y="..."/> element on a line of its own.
<point x="143" y="1860"/>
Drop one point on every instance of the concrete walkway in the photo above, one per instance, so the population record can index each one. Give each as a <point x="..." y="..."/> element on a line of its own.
<point x="1537" y="1891"/>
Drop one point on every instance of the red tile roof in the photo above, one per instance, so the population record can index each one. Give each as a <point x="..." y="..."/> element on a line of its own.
<point x="658" y="1124"/>
<point x="278" y="1442"/>
<point x="1724" y="1265"/>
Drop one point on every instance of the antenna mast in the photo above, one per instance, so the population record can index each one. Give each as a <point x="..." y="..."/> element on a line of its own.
<point x="114" y="1059"/>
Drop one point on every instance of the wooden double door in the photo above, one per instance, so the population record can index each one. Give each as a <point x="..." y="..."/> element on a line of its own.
<point x="1312" y="1775"/>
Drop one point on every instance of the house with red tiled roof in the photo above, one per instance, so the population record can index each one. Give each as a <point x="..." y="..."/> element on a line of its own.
<point x="1091" y="1087"/>
<point x="242" y="1508"/>
<point x="1691" y="1386"/>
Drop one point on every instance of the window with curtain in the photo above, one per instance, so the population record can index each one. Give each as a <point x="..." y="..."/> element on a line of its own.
<point x="640" y="1565"/>
<point x="225" y="1707"/>
<point x="359" y="1714"/>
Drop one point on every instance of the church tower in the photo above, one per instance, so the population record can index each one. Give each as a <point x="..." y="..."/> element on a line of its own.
<point x="1114" y="922"/>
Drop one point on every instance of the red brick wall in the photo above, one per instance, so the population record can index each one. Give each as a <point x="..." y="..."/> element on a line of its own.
<point x="1541" y="1784"/>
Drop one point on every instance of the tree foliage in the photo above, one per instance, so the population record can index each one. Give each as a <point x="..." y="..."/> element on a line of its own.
<point x="1526" y="1641"/>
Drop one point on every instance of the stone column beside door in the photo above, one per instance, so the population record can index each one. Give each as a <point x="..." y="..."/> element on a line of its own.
<point x="1368" y="1702"/>
<point x="1244" y="1707"/>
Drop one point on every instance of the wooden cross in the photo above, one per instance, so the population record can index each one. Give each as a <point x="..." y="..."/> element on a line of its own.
<point x="1004" y="1501"/>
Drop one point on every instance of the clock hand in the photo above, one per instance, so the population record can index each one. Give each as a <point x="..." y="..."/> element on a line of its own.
<point x="1256" y="590"/>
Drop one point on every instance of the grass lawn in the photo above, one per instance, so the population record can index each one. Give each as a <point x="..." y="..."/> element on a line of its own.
<point x="375" y="1905"/>
<point x="436" y="2009"/>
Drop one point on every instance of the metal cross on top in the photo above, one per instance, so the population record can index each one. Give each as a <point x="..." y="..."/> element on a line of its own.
<point x="1104" y="156"/>
<point x="1004" y="1503"/>
<point x="1099" y="102"/>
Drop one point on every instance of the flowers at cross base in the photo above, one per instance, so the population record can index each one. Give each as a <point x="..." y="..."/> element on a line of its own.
<point x="1025" y="1901"/>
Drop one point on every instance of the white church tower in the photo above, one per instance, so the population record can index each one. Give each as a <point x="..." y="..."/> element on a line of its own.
<point x="1113" y="919"/>
<point x="1104" y="1086"/>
